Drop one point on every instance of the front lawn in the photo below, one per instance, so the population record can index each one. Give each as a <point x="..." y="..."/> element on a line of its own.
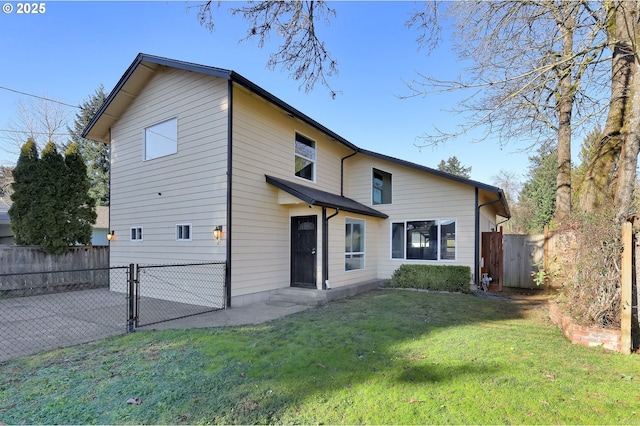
<point x="387" y="357"/>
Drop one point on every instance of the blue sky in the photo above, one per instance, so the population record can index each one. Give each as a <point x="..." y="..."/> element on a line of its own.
<point x="68" y="51"/>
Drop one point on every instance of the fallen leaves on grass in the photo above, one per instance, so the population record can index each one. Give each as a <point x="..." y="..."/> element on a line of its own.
<point x="413" y="400"/>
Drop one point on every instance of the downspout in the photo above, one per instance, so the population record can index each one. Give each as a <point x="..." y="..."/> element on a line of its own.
<point x="477" y="232"/>
<point x="342" y="172"/>
<point x="325" y="247"/>
<point x="227" y="276"/>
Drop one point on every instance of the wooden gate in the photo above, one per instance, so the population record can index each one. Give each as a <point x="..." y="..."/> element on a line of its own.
<point x="492" y="258"/>
<point x="522" y="256"/>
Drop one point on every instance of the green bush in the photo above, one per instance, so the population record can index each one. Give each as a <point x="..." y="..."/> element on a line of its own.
<point x="432" y="277"/>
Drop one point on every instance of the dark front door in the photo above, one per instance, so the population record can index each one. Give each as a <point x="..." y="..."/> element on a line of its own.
<point x="304" y="237"/>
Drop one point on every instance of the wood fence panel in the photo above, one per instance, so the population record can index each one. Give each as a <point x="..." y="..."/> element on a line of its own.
<point x="522" y="256"/>
<point x="26" y="270"/>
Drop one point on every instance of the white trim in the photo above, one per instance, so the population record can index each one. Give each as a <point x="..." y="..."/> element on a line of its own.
<point x="439" y="254"/>
<point x="144" y="139"/>
<point x="295" y="154"/>
<point x="139" y="231"/>
<point x="371" y="188"/>
<point x="189" y="226"/>
<point x="364" y="244"/>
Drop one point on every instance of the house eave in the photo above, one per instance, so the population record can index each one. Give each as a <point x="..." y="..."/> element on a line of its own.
<point x="144" y="66"/>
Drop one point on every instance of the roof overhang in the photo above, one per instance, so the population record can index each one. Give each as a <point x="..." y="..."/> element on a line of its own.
<point x="145" y="66"/>
<point x="130" y="86"/>
<point x="317" y="197"/>
<point x="142" y="69"/>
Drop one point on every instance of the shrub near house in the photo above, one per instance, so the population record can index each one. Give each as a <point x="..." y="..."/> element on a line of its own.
<point x="432" y="277"/>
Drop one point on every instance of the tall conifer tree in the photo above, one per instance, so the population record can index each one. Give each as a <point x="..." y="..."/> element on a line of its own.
<point x="26" y="196"/>
<point x="53" y="179"/>
<point x="95" y="154"/>
<point x="80" y="205"/>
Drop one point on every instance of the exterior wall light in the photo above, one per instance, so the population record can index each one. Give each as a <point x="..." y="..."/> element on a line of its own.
<point x="111" y="235"/>
<point x="217" y="232"/>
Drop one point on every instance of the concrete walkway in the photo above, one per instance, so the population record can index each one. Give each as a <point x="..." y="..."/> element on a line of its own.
<point x="256" y="313"/>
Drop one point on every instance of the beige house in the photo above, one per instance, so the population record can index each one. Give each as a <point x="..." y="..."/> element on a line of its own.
<point x="195" y="148"/>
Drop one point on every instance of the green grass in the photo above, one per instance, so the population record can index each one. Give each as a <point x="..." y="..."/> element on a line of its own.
<point x="388" y="357"/>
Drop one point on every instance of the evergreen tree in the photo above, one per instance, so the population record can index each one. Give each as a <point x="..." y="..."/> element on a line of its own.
<point x="53" y="179"/>
<point x="95" y="154"/>
<point x="26" y="196"/>
<point x="453" y="166"/>
<point x="80" y="208"/>
<point x="539" y="192"/>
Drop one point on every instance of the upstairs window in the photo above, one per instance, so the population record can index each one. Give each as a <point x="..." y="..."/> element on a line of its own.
<point x="381" y="187"/>
<point x="305" y="162"/>
<point x="161" y="139"/>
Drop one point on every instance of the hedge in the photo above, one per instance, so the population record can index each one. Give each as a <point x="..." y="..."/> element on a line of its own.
<point x="432" y="277"/>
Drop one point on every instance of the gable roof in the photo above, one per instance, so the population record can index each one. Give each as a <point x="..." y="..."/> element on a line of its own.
<point x="144" y="66"/>
<point x="317" y="197"/>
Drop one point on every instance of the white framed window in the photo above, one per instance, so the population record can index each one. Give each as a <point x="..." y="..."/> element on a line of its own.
<point x="183" y="232"/>
<point x="354" y="244"/>
<point x="161" y="139"/>
<point x="135" y="233"/>
<point x="381" y="187"/>
<point x="305" y="158"/>
<point x="424" y="240"/>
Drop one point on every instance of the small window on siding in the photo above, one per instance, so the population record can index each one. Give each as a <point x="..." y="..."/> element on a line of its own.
<point x="161" y="139"/>
<point x="136" y="233"/>
<point x="305" y="159"/>
<point x="354" y="244"/>
<point x="381" y="187"/>
<point x="183" y="232"/>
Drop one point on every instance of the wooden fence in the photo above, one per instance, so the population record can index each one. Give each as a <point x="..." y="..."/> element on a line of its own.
<point x="22" y="269"/>
<point x="523" y="256"/>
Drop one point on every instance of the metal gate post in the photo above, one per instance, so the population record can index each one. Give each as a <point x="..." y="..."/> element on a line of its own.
<point x="132" y="316"/>
<point x="137" y="285"/>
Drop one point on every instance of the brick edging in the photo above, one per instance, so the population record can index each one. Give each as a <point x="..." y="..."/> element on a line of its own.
<point x="588" y="336"/>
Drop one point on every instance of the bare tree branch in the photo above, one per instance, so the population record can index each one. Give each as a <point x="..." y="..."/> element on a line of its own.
<point x="43" y="120"/>
<point x="302" y="52"/>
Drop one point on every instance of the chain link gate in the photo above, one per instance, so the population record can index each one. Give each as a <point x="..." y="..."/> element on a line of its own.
<point x="159" y="293"/>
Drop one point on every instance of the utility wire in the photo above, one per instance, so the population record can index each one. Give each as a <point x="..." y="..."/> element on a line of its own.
<point x="26" y="132"/>
<point x="39" y="97"/>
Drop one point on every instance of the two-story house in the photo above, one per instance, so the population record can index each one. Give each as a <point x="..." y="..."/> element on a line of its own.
<point x="206" y="165"/>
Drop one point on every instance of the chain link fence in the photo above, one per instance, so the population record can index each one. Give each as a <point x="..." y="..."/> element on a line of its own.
<point x="54" y="309"/>
<point x="166" y="292"/>
<point x="49" y="310"/>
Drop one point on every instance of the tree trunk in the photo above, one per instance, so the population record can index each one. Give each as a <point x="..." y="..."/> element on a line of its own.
<point x="601" y="174"/>
<point x="565" y="106"/>
<point x="629" y="154"/>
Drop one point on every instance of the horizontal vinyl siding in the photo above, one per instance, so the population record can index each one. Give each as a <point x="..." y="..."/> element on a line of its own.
<point x="337" y="275"/>
<point x="186" y="187"/>
<point x="416" y="196"/>
<point x="263" y="144"/>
